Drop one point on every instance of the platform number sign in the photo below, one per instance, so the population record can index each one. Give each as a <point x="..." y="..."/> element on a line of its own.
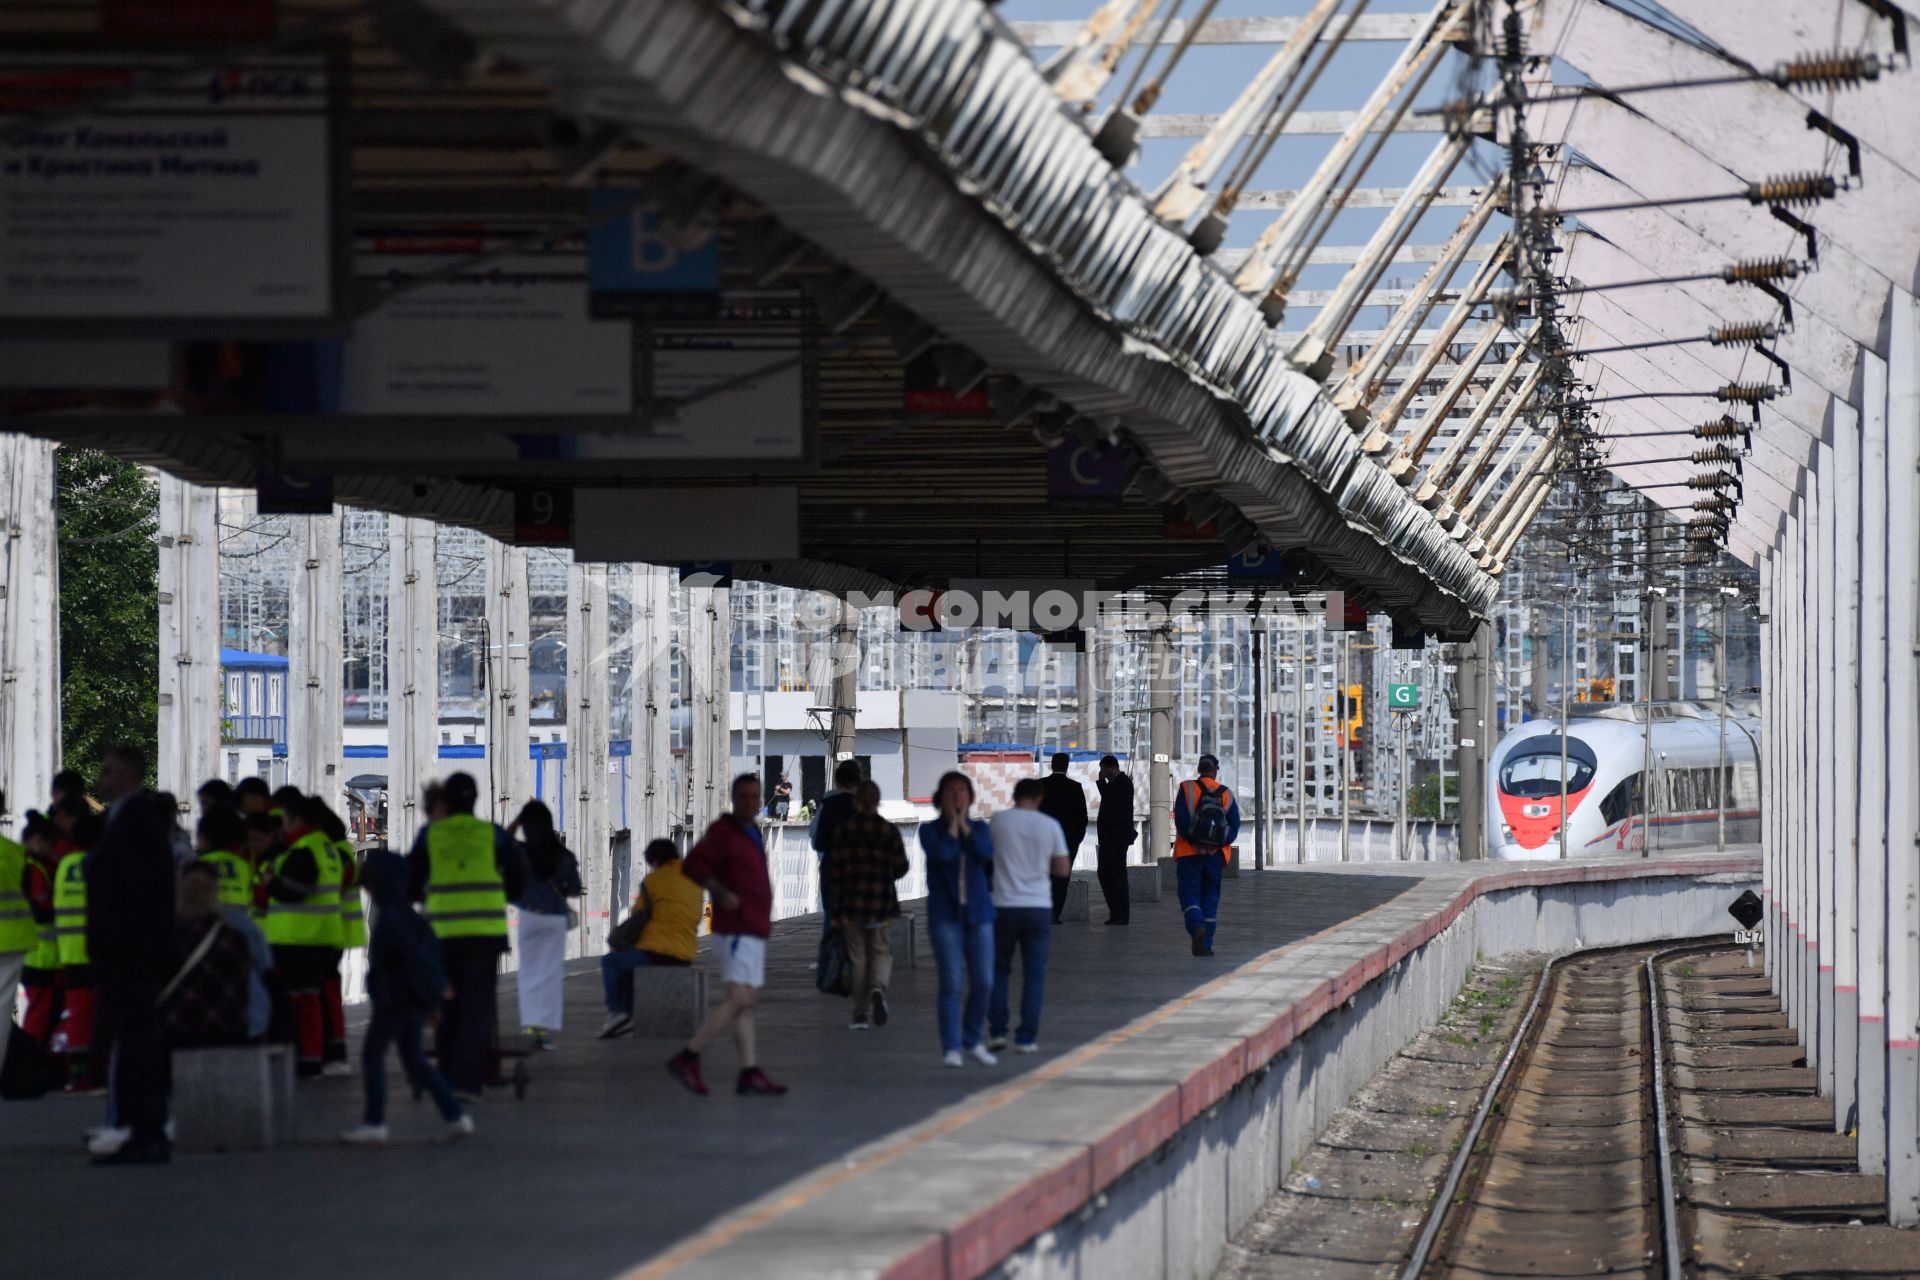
<point x="1403" y="697"/>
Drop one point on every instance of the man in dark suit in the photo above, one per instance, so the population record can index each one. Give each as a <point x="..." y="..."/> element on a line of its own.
<point x="1065" y="801"/>
<point x="130" y="892"/>
<point x="1116" y="836"/>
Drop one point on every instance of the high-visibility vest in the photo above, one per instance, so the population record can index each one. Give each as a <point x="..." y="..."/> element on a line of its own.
<point x="1183" y="847"/>
<point x="316" y="921"/>
<point x="353" y="908"/>
<point x="466" y="898"/>
<point x="70" y="909"/>
<point x="236" y="877"/>
<point x="17" y="930"/>
<point x="46" y="948"/>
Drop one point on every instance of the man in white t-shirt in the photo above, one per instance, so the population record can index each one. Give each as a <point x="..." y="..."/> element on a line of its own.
<point x="1029" y="852"/>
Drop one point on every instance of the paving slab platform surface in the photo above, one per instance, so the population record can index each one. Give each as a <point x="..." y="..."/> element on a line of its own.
<point x="879" y="1159"/>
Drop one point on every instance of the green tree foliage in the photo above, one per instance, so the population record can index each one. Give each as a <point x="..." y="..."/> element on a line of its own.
<point x="109" y="606"/>
<point x="1424" y="801"/>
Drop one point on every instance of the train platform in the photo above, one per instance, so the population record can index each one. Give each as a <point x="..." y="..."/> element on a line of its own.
<point x="880" y="1161"/>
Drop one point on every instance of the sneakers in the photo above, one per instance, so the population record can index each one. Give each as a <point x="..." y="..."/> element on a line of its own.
<point x="1026" y="1048"/>
<point x="754" y="1083"/>
<point x="684" y="1066"/>
<point x="996" y="1043"/>
<point x="617" y="1025"/>
<point x="336" y="1070"/>
<point x="983" y="1055"/>
<point x="458" y="1128"/>
<point x="953" y="1059"/>
<point x="541" y="1041"/>
<point x="104" y="1142"/>
<point x="365" y="1135"/>
<point x="880" y="1011"/>
<point x="859" y="1023"/>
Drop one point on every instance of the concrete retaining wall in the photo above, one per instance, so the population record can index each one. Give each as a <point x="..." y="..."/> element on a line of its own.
<point x="1171" y="1214"/>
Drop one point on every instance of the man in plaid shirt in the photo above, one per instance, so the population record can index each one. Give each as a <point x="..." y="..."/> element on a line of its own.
<point x="857" y="877"/>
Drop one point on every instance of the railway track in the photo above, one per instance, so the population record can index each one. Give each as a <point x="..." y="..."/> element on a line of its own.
<point x="1565" y="1167"/>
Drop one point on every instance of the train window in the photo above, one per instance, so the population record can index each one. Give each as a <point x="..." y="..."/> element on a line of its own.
<point x="1537" y="773"/>
<point x="1621" y="802"/>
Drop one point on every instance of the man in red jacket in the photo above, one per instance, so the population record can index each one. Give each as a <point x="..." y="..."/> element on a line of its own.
<point x="731" y="861"/>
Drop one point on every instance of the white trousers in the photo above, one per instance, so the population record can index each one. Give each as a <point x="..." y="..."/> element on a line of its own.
<point x="543" y="969"/>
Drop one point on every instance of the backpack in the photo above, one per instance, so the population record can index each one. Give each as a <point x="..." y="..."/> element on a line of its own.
<point x="1207" y="824"/>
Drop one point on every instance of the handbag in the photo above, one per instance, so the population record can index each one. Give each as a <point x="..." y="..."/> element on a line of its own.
<point x="834" y="975"/>
<point x="625" y="936"/>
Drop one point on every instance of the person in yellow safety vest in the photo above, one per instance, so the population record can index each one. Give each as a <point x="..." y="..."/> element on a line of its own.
<point x="40" y="976"/>
<point x="353" y="933"/>
<point x="1206" y="818"/>
<point x="221" y="839"/>
<point x="70" y="935"/>
<point x="466" y="870"/>
<point x="303" y="926"/>
<point x="18" y="932"/>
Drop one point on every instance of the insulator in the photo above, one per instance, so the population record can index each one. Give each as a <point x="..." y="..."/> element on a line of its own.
<point x="1719" y="502"/>
<point x="1836" y="70"/>
<point x="1719" y="429"/>
<point x="1793" y="188"/>
<point x="1713" y="480"/>
<point x="1740" y="335"/>
<point x="1717" y="453"/>
<point x="1760" y="269"/>
<point x="1746" y="392"/>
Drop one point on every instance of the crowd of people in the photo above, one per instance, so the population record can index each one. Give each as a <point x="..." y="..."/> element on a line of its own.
<point x="131" y="938"/>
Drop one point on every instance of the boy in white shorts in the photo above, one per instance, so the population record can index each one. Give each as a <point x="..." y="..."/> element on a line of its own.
<point x="731" y="861"/>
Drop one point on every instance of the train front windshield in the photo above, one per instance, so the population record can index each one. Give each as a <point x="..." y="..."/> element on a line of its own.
<point x="1533" y="771"/>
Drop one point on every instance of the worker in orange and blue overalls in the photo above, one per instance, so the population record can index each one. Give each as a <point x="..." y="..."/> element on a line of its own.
<point x="1206" y="818"/>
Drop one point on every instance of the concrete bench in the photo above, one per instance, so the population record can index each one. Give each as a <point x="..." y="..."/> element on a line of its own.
<point x="1143" y="884"/>
<point x="233" y="1099"/>
<point x="1079" y="905"/>
<point x="669" y="1000"/>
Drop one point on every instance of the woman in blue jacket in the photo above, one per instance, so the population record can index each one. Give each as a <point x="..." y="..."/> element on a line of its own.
<point x="959" y="853"/>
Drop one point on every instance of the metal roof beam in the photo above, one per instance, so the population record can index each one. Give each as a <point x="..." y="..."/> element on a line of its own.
<point x="1381" y="28"/>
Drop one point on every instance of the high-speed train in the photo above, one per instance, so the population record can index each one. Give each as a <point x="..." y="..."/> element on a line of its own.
<point x="1611" y="809"/>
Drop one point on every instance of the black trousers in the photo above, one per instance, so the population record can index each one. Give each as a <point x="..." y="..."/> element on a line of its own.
<point x="1060" y="884"/>
<point x="142" y="1068"/>
<point x="1113" y="881"/>
<point x="464" y="1037"/>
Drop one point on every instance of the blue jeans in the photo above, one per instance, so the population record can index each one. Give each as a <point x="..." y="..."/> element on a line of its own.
<point x="400" y="1028"/>
<point x="963" y="955"/>
<point x="1031" y="930"/>
<point x="616" y="976"/>
<point x="1199" y="880"/>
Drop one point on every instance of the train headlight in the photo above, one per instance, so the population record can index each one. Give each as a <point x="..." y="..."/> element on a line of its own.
<point x="1506" y="833"/>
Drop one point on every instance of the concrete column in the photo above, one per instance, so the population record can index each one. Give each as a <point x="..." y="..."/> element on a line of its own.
<point x="190" y="705"/>
<point x="29" y="627"/>
<point x="845" y="686"/>
<point x="1769" y="735"/>
<point x="1830" y="848"/>
<point x="589" y="829"/>
<point x="1083" y="686"/>
<point x="707" y="646"/>
<point x="1805" y="770"/>
<point x="650" y="809"/>
<point x="1161" y="689"/>
<point x="1903" y="761"/>
<point x="1475" y="723"/>
<point x="413" y="675"/>
<point x="1871" y="744"/>
<point x="509" y="681"/>
<point x="1845" y="754"/>
<point x="1820" y="852"/>
<point x="314" y="752"/>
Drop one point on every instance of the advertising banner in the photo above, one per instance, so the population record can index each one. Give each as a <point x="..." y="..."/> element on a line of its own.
<point x="502" y="336"/>
<point x="147" y="199"/>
